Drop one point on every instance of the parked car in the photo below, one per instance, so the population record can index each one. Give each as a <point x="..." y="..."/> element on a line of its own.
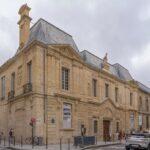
<point x="139" y="141"/>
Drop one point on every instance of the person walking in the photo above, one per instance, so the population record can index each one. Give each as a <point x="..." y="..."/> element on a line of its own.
<point x="11" y="134"/>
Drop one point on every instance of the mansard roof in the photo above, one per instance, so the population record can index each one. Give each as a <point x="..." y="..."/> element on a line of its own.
<point x="143" y="87"/>
<point x="116" y="69"/>
<point x="47" y="33"/>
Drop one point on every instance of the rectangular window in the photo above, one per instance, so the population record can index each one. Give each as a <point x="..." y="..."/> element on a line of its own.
<point x="67" y="116"/>
<point x="131" y="120"/>
<point x="116" y="94"/>
<point x="140" y="103"/>
<point x="13" y="81"/>
<point x="106" y="90"/>
<point x="65" y="79"/>
<point x="29" y="72"/>
<point x="95" y="126"/>
<point x="94" y="83"/>
<point x="147" y="105"/>
<point x="147" y="122"/>
<point x="117" y="126"/>
<point x="131" y="99"/>
<point x="3" y="87"/>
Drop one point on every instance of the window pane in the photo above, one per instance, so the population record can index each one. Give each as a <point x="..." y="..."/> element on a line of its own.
<point x="65" y="79"/>
<point x="12" y="81"/>
<point x="3" y="87"/>
<point x="95" y="126"/>
<point x="106" y="90"/>
<point x="94" y="83"/>
<point x="147" y="122"/>
<point x="116" y="94"/>
<point x="29" y="70"/>
<point x="131" y="99"/>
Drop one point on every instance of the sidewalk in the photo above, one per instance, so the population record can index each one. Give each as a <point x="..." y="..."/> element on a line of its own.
<point x="102" y="144"/>
<point x="57" y="147"/>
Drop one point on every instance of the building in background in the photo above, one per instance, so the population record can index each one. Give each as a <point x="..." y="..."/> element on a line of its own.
<point x="64" y="89"/>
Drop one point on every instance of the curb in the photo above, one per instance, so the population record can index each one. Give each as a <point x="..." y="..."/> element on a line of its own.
<point x="13" y="148"/>
<point x="103" y="145"/>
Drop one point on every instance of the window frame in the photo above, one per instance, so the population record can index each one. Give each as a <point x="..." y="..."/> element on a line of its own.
<point x="131" y="99"/>
<point x="29" y="71"/>
<point x="147" y="122"/>
<point x="106" y="90"/>
<point x="13" y="77"/>
<point x="116" y="94"/>
<point x="65" y="78"/>
<point x="3" y="87"/>
<point x="95" y="129"/>
<point x="147" y="106"/>
<point x="63" y="116"/>
<point x="94" y="87"/>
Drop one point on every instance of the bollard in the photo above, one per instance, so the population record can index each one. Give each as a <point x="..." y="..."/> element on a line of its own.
<point x="4" y="141"/>
<point x="46" y="143"/>
<point x="9" y="141"/>
<point x="32" y="142"/>
<point x="14" y="141"/>
<point x="60" y="144"/>
<point x="68" y="144"/>
<point x="21" y="141"/>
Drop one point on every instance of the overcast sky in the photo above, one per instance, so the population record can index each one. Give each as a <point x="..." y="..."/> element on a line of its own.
<point x="119" y="27"/>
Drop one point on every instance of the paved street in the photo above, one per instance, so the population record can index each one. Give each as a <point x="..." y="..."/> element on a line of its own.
<point x="115" y="147"/>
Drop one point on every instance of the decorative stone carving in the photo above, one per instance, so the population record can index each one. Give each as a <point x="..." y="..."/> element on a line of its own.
<point x="105" y="65"/>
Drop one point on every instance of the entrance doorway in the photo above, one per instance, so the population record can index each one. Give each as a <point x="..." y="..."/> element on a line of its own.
<point x="106" y="130"/>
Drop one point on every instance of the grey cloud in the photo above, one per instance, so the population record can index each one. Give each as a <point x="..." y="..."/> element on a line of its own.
<point x="118" y="27"/>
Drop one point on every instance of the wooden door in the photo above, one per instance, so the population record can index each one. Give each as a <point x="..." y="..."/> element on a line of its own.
<point x="106" y="130"/>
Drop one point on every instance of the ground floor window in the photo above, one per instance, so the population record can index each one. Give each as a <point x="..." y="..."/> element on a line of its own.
<point x="95" y="126"/>
<point x="132" y="120"/>
<point x="147" y="122"/>
<point x="67" y="116"/>
<point x="140" y="122"/>
<point x="117" y="126"/>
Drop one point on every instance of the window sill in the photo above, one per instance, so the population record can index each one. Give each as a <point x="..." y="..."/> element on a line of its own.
<point x="67" y="129"/>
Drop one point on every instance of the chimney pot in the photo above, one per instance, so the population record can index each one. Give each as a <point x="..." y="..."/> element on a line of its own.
<point x="24" y="25"/>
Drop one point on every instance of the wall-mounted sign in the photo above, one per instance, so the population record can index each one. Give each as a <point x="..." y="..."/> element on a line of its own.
<point x="66" y="115"/>
<point x="132" y="120"/>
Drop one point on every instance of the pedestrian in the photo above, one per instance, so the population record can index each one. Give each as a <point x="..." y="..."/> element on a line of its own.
<point x="117" y="136"/>
<point x="1" y="135"/>
<point x="120" y="135"/>
<point x="11" y="134"/>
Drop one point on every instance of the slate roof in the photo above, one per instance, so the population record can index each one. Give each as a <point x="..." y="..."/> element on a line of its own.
<point x="143" y="87"/>
<point x="116" y="69"/>
<point x="47" y="33"/>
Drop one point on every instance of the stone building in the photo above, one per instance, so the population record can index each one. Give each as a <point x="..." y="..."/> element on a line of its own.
<point x="64" y="89"/>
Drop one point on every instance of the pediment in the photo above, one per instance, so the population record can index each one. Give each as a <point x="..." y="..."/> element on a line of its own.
<point x="110" y="101"/>
<point x="68" y="51"/>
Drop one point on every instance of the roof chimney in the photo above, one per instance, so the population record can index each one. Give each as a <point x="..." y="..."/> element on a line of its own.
<point x="24" y="25"/>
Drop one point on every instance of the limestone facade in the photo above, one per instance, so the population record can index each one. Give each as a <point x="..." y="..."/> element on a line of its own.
<point x="40" y="95"/>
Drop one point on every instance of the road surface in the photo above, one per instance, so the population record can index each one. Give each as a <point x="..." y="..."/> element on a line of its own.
<point x="115" y="147"/>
